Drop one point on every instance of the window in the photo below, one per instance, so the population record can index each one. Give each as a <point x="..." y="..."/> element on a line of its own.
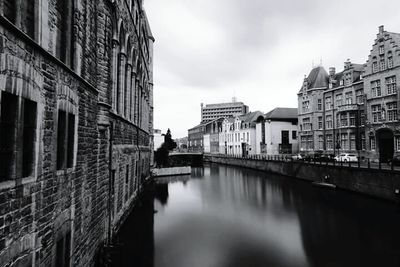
<point x="321" y="142"/>
<point x="392" y="111"/>
<point x="320" y="125"/>
<point x="24" y="12"/>
<point x="348" y="79"/>
<point x="329" y="123"/>
<point x="372" y="142"/>
<point x="63" y="251"/>
<point x="63" y="46"/>
<point x="381" y="49"/>
<point x="363" y="141"/>
<point x="328" y="103"/>
<point x="390" y="60"/>
<point x="338" y="100"/>
<point x="17" y="128"/>
<point x="352" y="141"/>
<point x="352" y="119"/>
<point x="391" y="87"/>
<point x="344" y="141"/>
<point x="65" y="140"/>
<point x="374" y="67"/>
<point x="248" y="137"/>
<point x="348" y="98"/>
<point x="306" y="106"/>
<point x="376" y="88"/>
<point x="319" y="104"/>
<point x="382" y="64"/>
<point x="397" y="139"/>
<point x="294" y="135"/>
<point x="307" y="126"/>
<point x="329" y="142"/>
<point x="376" y="113"/>
<point x="343" y="120"/>
<point x="362" y="118"/>
<point x="359" y="96"/>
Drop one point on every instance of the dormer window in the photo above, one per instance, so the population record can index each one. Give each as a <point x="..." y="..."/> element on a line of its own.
<point x="341" y="82"/>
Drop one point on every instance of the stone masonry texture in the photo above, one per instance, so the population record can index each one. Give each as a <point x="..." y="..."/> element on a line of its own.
<point x="71" y="63"/>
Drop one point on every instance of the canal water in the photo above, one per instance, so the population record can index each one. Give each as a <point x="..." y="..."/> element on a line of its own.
<point x="223" y="216"/>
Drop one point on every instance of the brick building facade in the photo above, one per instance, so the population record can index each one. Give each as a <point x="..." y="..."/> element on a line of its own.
<point x="356" y="110"/>
<point x="75" y="125"/>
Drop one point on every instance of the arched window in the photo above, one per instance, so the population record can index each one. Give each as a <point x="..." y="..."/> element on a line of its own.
<point x="121" y="72"/>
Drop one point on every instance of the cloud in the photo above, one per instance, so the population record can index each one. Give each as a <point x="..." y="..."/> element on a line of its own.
<point x="260" y="50"/>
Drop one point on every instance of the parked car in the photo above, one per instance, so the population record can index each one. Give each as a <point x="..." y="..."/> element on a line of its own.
<point x="345" y="157"/>
<point x="297" y="157"/>
<point x="324" y="157"/>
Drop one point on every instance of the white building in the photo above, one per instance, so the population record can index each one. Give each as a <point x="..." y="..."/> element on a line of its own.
<point x="238" y="135"/>
<point x="158" y="139"/>
<point x="276" y="132"/>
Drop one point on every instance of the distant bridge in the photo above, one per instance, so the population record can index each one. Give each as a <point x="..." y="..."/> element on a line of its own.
<point x="186" y="159"/>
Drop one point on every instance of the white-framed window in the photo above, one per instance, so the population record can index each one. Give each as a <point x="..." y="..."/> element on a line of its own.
<point x="390" y="61"/>
<point x="348" y="98"/>
<point x="352" y="119"/>
<point x="392" y="111"/>
<point x="320" y="141"/>
<point x="329" y="142"/>
<point x="397" y="141"/>
<point x="347" y="80"/>
<point x="320" y="125"/>
<point x="382" y="64"/>
<point x="343" y="120"/>
<point x="374" y="67"/>
<point x="306" y="106"/>
<point x="339" y="99"/>
<point x="307" y="126"/>
<point x="352" y="141"/>
<point x="372" y="144"/>
<point x="381" y="49"/>
<point x="328" y="121"/>
<point x="344" y="141"/>
<point x="363" y="141"/>
<point x="328" y="103"/>
<point x="319" y="104"/>
<point x="376" y="113"/>
<point x="376" y="88"/>
<point x="391" y="87"/>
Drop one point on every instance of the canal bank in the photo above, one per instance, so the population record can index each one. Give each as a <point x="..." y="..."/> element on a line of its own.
<point x="383" y="184"/>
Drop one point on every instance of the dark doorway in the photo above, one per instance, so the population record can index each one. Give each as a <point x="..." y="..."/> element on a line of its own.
<point x="385" y="140"/>
<point x="244" y="149"/>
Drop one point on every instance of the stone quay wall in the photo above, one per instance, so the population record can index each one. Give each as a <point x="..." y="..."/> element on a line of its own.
<point x="373" y="182"/>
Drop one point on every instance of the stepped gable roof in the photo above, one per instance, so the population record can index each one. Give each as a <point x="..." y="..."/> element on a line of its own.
<point x="318" y="78"/>
<point x="281" y="113"/>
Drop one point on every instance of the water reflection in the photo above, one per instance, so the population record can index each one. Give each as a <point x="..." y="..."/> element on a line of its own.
<point x="239" y="217"/>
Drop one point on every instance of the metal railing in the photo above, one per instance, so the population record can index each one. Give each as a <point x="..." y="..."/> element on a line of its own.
<point x="359" y="164"/>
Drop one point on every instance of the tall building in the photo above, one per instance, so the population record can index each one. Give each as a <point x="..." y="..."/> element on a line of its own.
<point x="76" y="107"/>
<point x="310" y="109"/>
<point x="381" y="73"/>
<point x="214" y="111"/>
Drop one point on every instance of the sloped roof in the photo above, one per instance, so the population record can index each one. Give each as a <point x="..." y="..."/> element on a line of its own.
<point x="281" y="113"/>
<point x="318" y="78"/>
<point x="250" y="117"/>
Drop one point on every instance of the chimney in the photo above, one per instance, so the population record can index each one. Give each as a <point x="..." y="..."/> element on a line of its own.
<point x="332" y="71"/>
<point x="347" y="64"/>
<point x="381" y="29"/>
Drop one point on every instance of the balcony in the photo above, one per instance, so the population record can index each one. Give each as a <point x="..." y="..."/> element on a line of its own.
<point x="348" y="107"/>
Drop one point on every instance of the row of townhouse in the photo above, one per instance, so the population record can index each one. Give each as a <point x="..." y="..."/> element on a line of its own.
<point x="355" y="110"/>
<point x="253" y="133"/>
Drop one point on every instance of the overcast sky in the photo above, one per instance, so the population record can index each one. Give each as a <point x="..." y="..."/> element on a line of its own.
<point x="208" y="51"/>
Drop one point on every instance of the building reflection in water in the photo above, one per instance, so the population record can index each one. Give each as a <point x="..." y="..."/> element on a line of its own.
<point x="240" y="217"/>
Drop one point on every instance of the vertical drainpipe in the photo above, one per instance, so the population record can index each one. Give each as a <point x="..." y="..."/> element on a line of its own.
<point x="110" y="182"/>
